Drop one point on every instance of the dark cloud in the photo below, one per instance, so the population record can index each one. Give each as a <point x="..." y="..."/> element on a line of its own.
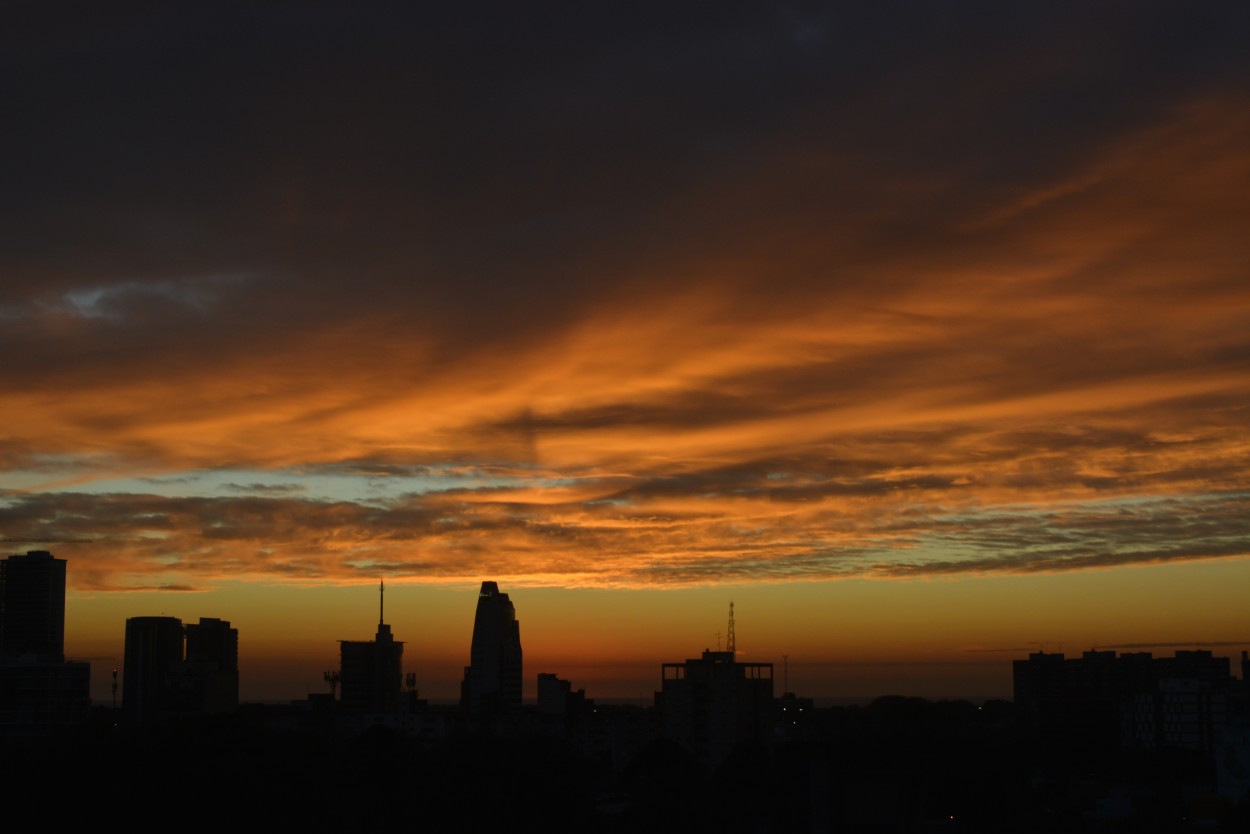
<point x="654" y="293"/>
<point x="474" y="163"/>
<point x="263" y="489"/>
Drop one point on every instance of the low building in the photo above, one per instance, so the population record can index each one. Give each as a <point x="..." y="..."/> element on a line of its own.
<point x="1131" y="700"/>
<point x="711" y="703"/>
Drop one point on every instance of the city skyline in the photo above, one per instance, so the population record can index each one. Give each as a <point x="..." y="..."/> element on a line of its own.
<point x="920" y="333"/>
<point x="635" y="677"/>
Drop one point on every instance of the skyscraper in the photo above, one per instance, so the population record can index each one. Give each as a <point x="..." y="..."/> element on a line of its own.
<point x="150" y="668"/>
<point x="40" y="693"/>
<point x="172" y="671"/>
<point x="32" y="606"/>
<point x="492" y="680"/>
<point x="212" y="658"/>
<point x="371" y="671"/>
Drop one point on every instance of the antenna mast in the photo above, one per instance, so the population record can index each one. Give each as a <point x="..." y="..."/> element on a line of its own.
<point x="729" y="639"/>
<point x="381" y="601"/>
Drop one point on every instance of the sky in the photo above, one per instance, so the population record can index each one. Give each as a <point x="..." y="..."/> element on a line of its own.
<point x="918" y="331"/>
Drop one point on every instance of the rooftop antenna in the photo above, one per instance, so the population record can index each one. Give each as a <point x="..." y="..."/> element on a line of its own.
<point x="381" y="600"/>
<point x="332" y="677"/>
<point x="729" y="639"/>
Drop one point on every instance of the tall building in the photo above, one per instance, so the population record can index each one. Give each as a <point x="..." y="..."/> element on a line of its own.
<point x="371" y="671"/>
<point x="40" y="693"/>
<point x="32" y="606"/>
<point x="173" y="671"/>
<point x="212" y="660"/>
<point x="151" y="669"/>
<point x="492" y="680"/>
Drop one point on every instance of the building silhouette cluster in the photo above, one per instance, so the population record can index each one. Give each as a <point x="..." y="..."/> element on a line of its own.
<point x="1136" y="725"/>
<point x="1133" y="699"/>
<point x="171" y="670"/>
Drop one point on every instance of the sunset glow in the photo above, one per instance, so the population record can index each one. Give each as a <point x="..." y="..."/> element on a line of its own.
<point x="925" y="340"/>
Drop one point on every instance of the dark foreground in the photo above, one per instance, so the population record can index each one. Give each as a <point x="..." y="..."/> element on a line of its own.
<point x="897" y="765"/>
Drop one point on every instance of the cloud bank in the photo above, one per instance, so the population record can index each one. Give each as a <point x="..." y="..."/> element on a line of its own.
<point x="626" y="298"/>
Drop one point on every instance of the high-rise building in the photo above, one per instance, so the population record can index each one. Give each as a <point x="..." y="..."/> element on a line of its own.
<point x="492" y="680"/>
<point x="371" y="671"/>
<point x="171" y="670"/>
<point x="151" y="669"/>
<point x="32" y="606"/>
<point x="40" y="693"/>
<point x="212" y="660"/>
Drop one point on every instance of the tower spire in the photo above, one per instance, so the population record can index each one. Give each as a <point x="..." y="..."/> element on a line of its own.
<point x="729" y="638"/>
<point x="381" y="601"/>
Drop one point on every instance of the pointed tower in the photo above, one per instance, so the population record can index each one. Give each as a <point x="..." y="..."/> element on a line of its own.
<point x="371" y="671"/>
<point x="492" y="680"/>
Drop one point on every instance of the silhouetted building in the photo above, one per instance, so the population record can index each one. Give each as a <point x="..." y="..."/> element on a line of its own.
<point x="212" y="661"/>
<point x="371" y="671"/>
<point x="151" y="669"/>
<point x="32" y="606"/>
<point x="492" y="680"/>
<point x="1133" y="700"/>
<point x="556" y="696"/>
<point x="709" y="704"/>
<point x="173" y="671"/>
<point x="43" y="697"/>
<point x="40" y="694"/>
